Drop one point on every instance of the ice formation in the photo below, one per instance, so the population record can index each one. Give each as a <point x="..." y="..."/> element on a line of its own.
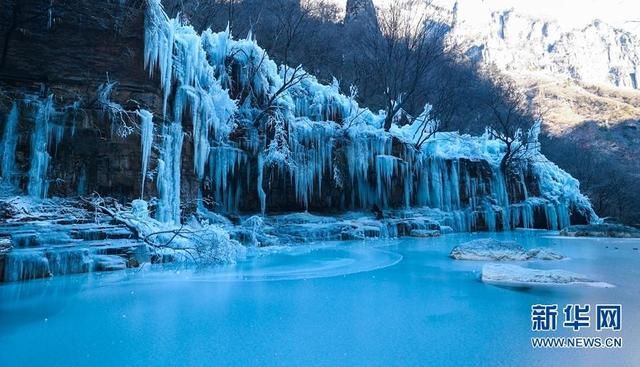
<point x="517" y="276"/>
<point x="316" y="128"/>
<point x="494" y="250"/>
<point x="307" y="144"/>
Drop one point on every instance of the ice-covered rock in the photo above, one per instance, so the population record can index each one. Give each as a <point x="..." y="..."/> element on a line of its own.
<point x="518" y="276"/>
<point x="5" y="245"/>
<point x="424" y="233"/>
<point x="108" y="263"/>
<point x="544" y="254"/>
<point x="493" y="250"/>
<point x="69" y="261"/>
<point x="25" y="265"/>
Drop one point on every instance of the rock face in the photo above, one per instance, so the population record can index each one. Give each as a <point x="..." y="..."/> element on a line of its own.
<point x="67" y="50"/>
<point x="362" y="11"/>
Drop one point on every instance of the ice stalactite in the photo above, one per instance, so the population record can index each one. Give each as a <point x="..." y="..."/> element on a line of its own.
<point x="362" y="151"/>
<point x="146" y="136"/>
<point x="190" y="65"/>
<point x="262" y="195"/>
<point x="386" y="167"/>
<point x="499" y="190"/>
<point x="8" y="145"/>
<point x="38" y="183"/>
<point x="159" y="42"/>
<point x="169" y="173"/>
<point x="311" y="147"/>
<point x="224" y="163"/>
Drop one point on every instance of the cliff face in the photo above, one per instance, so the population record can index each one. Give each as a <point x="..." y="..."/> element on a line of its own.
<point x="83" y="79"/>
<point x="67" y="49"/>
<point x="595" y="54"/>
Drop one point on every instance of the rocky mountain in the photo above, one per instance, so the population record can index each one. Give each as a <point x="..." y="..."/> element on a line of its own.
<point x="595" y="54"/>
<point x="359" y="11"/>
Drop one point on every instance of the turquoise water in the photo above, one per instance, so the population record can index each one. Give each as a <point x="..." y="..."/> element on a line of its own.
<point x="375" y="303"/>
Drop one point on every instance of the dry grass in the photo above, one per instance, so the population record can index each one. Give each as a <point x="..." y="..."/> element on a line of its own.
<point x="567" y="104"/>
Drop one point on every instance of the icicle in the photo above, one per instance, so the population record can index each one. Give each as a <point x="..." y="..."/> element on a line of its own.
<point x="223" y="163"/>
<point x="386" y="167"/>
<point x="552" y="216"/>
<point x="146" y="136"/>
<point x="261" y="194"/>
<point x="564" y="215"/>
<point x="50" y="13"/>
<point x="169" y="173"/>
<point x="38" y="185"/>
<point x="361" y="152"/>
<point x="311" y="147"/>
<point x="8" y="145"/>
<point x="490" y="218"/>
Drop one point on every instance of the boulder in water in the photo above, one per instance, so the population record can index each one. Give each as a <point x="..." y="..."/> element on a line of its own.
<point x="518" y="276"/>
<point x="488" y="249"/>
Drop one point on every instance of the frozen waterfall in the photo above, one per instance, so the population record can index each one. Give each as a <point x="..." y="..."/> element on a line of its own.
<point x="169" y="172"/>
<point x="331" y="148"/>
<point x="38" y="182"/>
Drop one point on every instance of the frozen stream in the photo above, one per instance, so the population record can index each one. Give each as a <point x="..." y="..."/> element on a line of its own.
<point x="374" y="303"/>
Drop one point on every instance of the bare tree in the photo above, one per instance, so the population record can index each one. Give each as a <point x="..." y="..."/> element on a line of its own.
<point x="513" y="117"/>
<point x="398" y="58"/>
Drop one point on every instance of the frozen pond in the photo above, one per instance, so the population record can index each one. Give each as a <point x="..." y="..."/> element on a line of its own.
<point x="374" y="303"/>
